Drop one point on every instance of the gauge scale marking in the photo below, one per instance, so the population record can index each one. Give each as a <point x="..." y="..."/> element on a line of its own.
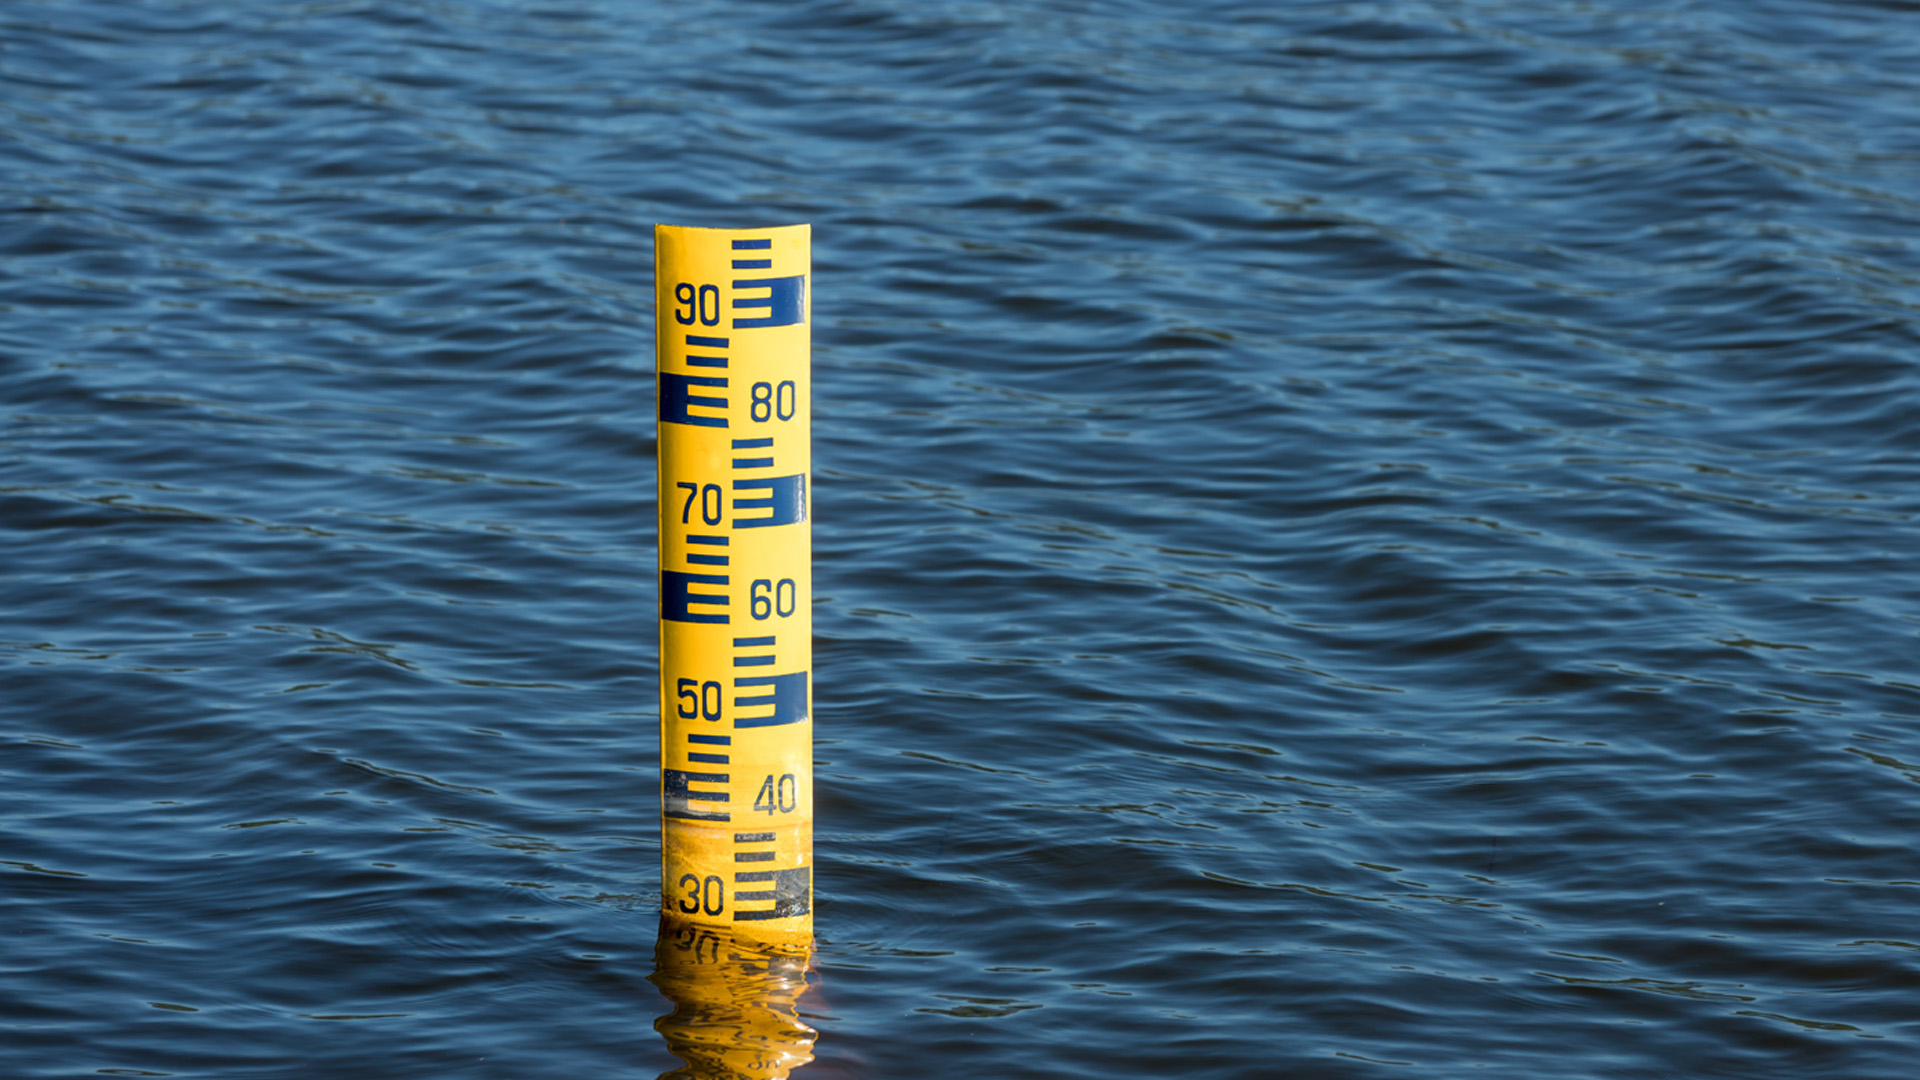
<point x="734" y="393"/>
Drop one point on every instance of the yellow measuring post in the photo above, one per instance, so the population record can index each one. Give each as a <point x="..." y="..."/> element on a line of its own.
<point x="734" y="395"/>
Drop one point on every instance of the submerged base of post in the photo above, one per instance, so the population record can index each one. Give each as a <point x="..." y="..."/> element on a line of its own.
<point x="736" y="1003"/>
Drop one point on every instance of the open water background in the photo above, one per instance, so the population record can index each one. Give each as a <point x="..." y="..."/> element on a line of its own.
<point x="1352" y="539"/>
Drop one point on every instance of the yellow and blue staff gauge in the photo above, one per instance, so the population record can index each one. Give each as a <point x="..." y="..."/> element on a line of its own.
<point x="734" y="393"/>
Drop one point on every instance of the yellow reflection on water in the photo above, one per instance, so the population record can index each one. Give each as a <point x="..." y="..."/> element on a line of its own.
<point x="736" y="1013"/>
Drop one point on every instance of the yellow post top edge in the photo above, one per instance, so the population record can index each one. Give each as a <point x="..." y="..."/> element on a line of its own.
<point x="658" y="225"/>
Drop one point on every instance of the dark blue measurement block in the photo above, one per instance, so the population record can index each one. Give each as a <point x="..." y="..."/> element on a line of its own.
<point x="785" y="302"/>
<point x="789" y="892"/>
<point x="677" y="797"/>
<point x="786" y="693"/>
<point x="677" y="597"/>
<point x="677" y="399"/>
<point x="785" y="501"/>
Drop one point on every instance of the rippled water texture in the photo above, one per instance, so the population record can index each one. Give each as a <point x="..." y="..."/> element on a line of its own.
<point x="1352" y="540"/>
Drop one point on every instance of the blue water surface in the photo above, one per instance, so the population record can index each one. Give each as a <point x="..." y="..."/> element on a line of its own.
<point x="1352" y="540"/>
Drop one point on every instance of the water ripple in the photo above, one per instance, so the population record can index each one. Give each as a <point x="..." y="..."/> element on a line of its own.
<point x="1351" y="537"/>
